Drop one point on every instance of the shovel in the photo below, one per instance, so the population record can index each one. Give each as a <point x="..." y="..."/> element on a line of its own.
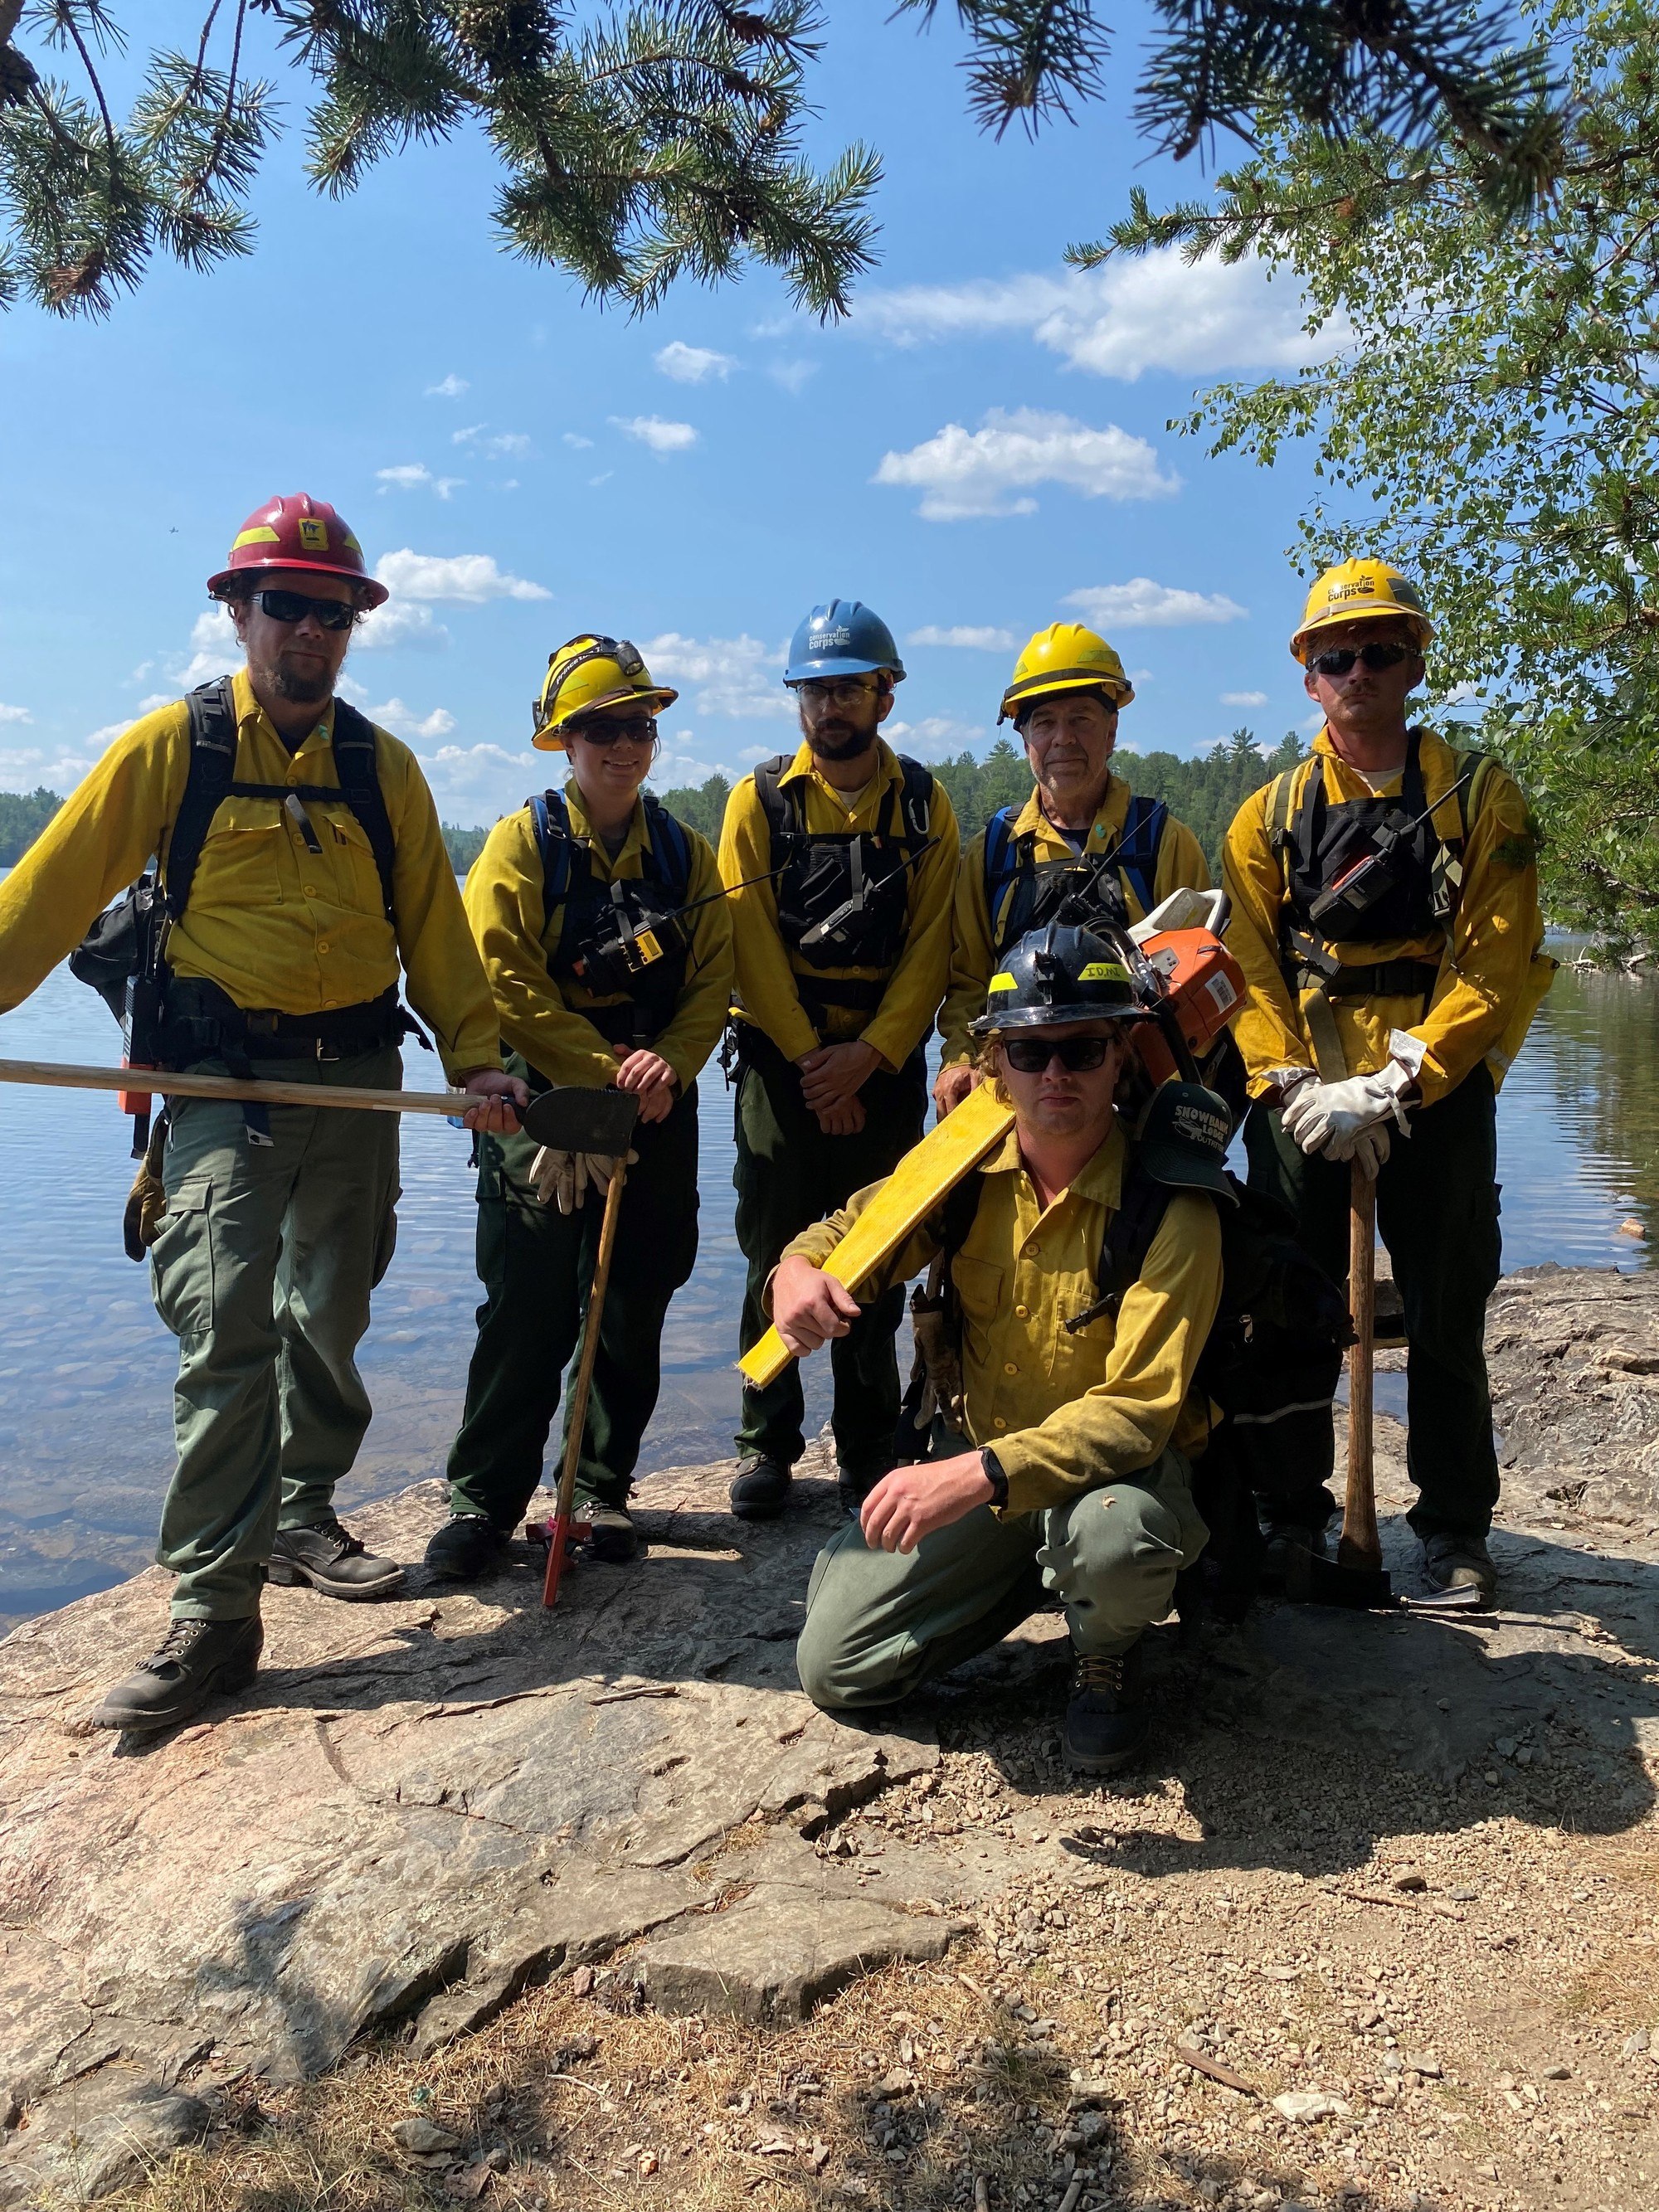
<point x="1356" y="1577"/>
<point x="569" y="1118"/>
<point x="562" y="1530"/>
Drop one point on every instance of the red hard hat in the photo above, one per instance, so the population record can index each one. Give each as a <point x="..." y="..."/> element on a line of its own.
<point x="299" y="533"/>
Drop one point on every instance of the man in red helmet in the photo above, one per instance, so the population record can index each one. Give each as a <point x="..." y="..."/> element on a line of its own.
<point x="302" y="864"/>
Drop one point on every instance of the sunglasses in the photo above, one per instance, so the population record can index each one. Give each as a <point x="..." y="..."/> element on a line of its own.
<point x="295" y="606"/>
<point x="1031" y="1055"/>
<point x="637" y="730"/>
<point x="835" y="690"/>
<point x="1341" y="657"/>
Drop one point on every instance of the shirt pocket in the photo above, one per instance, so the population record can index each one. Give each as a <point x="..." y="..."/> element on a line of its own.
<point x="345" y="843"/>
<point x="240" y="866"/>
<point x="979" y="1291"/>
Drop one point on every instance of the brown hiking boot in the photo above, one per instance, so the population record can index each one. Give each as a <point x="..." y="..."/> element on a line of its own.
<point x="331" y="1560"/>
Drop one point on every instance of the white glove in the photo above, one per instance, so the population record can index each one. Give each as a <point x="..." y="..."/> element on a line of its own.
<point x="564" y="1177"/>
<point x="1330" y="1118"/>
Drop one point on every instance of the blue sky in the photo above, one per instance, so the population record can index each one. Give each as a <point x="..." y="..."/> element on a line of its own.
<point x="980" y="450"/>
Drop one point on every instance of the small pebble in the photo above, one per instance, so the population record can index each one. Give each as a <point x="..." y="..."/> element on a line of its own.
<point x="1635" y="2044"/>
<point x="1556" y="2074"/>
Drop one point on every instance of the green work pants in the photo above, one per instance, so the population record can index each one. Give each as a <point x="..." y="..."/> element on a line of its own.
<point x="537" y="1267"/>
<point x="262" y="1269"/>
<point x="879" y="1623"/>
<point x="789" y="1175"/>
<point x="1436" y="1211"/>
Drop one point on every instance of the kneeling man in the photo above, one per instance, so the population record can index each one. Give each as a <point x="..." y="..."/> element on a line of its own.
<point x="1076" y="1479"/>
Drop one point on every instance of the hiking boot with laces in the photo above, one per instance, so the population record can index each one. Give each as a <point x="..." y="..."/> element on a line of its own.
<point x="466" y="1548"/>
<point x="760" y="1490"/>
<point x="331" y="1560"/>
<point x="196" y="1660"/>
<point x="1106" y="1716"/>
<point x="1282" y="1538"/>
<point x="1460" y="1566"/>
<point x="612" y="1536"/>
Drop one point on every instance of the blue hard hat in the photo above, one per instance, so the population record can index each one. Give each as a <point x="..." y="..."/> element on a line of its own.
<point x="842" y="637"/>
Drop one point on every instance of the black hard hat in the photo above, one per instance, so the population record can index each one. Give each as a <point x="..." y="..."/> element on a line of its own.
<point x="1062" y="973"/>
<point x="1184" y="1137"/>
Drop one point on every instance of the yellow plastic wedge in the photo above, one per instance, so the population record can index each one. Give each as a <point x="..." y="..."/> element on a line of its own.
<point x="910" y="1195"/>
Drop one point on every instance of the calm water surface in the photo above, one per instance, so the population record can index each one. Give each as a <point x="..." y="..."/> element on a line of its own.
<point x="86" y="1367"/>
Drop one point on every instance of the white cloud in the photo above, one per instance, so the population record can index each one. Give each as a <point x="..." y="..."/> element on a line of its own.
<point x="935" y="737"/>
<point x="213" y="648"/>
<point x="963" y="473"/>
<point x="458" y="579"/>
<point x="793" y="374"/>
<point x="1142" y="604"/>
<point x="1243" y="698"/>
<point x="688" y="364"/>
<point x="27" y="767"/>
<point x="403" y="721"/>
<point x="602" y="478"/>
<point x="578" y="444"/>
<point x="14" y="714"/>
<point x="652" y="430"/>
<point x="503" y="445"/>
<point x="977" y="637"/>
<point x="401" y="622"/>
<point x="485" y="779"/>
<point x="414" y="476"/>
<point x="451" y="387"/>
<point x="735" y="676"/>
<point x="1155" y="311"/>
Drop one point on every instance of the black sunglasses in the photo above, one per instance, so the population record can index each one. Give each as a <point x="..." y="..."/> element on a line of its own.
<point x="1031" y="1055"/>
<point x="637" y="730"/>
<point x="1341" y="657"/>
<point x="295" y="606"/>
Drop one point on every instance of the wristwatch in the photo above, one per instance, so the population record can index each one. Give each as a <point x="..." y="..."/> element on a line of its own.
<point x="994" y="1476"/>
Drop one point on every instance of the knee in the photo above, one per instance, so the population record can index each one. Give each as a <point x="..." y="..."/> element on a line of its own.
<point x="1115" y="1534"/>
<point x="827" y="1667"/>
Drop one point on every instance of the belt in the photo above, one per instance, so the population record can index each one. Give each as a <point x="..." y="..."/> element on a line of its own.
<point x="200" y="1020"/>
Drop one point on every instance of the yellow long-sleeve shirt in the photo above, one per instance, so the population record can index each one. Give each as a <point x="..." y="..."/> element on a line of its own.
<point x="542" y="1018"/>
<point x="1181" y="865"/>
<point x="767" y="968"/>
<point x="272" y="923"/>
<point x="1064" y="1413"/>
<point x="1492" y="971"/>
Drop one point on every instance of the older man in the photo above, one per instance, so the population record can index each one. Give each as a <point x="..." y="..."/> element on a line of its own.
<point x="1076" y="1378"/>
<point x="1385" y="913"/>
<point x="301" y="861"/>
<point x="1082" y="835"/>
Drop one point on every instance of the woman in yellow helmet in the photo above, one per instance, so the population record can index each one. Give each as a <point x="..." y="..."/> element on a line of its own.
<point x="1063" y="698"/>
<point x="605" y="969"/>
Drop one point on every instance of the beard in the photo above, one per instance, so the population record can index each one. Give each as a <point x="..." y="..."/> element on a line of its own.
<point x="304" y="691"/>
<point x="839" y="740"/>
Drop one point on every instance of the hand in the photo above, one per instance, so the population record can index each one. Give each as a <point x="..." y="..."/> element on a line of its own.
<point x="649" y="1075"/>
<point x="562" y="1177"/>
<point x="500" y="1094"/>
<point x="1371" y="1149"/>
<point x="1329" y="1117"/>
<point x="809" y="1307"/>
<point x="911" y="1502"/>
<point x="951" y="1085"/>
<point x="844" y="1120"/>
<point x="834" y="1074"/>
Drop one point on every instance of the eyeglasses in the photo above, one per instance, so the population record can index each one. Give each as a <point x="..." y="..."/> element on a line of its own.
<point x="1341" y="657"/>
<point x="637" y="730"/>
<point x="834" y="690"/>
<point x="295" y="606"/>
<point x="1031" y="1055"/>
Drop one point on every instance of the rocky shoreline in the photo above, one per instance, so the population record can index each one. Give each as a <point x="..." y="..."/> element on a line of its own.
<point x="449" y="1826"/>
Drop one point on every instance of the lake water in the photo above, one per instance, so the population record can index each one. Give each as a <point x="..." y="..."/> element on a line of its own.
<point x="86" y="1367"/>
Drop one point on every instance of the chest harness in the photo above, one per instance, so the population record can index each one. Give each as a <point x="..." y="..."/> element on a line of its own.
<point x="844" y="896"/>
<point x="1022" y="893"/>
<point x="626" y="939"/>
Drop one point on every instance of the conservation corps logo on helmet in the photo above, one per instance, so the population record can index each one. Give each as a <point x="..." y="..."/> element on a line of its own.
<point x="298" y="531"/>
<point x="1363" y="590"/>
<point x="1062" y="973"/>
<point x="842" y="637"/>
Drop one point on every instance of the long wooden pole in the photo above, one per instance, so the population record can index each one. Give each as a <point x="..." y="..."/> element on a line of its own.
<point x="1361" y="1545"/>
<point x="560" y="1532"/>
<point x="132" y="1081"/>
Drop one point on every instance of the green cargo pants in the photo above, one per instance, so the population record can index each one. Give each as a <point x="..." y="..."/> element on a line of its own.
<point x="789" y="1175"/>
<point x="1436" y="1211"/>
<point x="879" y="1623"/>
<point x="537" y="1267"/>
<point x="262" y="1269"/>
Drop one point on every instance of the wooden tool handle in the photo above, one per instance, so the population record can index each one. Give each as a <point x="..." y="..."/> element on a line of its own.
<point x="559" y="1533"/>
<point x="53" y="1076"/>
<point x="1361" y="1546"/>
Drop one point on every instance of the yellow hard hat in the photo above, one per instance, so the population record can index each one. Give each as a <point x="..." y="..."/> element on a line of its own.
<point x="1361" y="591"/>
<point x="586" y="673"/>
<point x="1064" y="657"/>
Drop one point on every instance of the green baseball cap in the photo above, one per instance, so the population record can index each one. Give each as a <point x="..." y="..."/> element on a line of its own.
<point x="1184" y="1138"/>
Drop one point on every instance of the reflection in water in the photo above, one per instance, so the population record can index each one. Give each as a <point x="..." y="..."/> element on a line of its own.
<point x="86" y="1367"/>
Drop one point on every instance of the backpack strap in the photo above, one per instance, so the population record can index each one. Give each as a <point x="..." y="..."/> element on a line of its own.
<point x="671" y="849"/>
<point x="1000" y="862"/>
<point x="1124" y="1247"/>
<point x="550" y="821"/>
<point x="357" y="766"/>
<point x="1138" y="847"/>
<point x="1279" y="804"/>
<point x="212" y="710"/>
<point x="916" y="800"/>
<point x="782" y="813"/>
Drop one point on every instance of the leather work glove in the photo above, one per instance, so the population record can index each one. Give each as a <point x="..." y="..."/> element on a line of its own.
<point x="1331" y="1118"/>
<point x="563" y="1177"/>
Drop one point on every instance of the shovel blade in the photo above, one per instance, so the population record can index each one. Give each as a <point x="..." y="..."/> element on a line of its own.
<point x="1311" y="1581"/>
<point x="572" y="1119"/>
